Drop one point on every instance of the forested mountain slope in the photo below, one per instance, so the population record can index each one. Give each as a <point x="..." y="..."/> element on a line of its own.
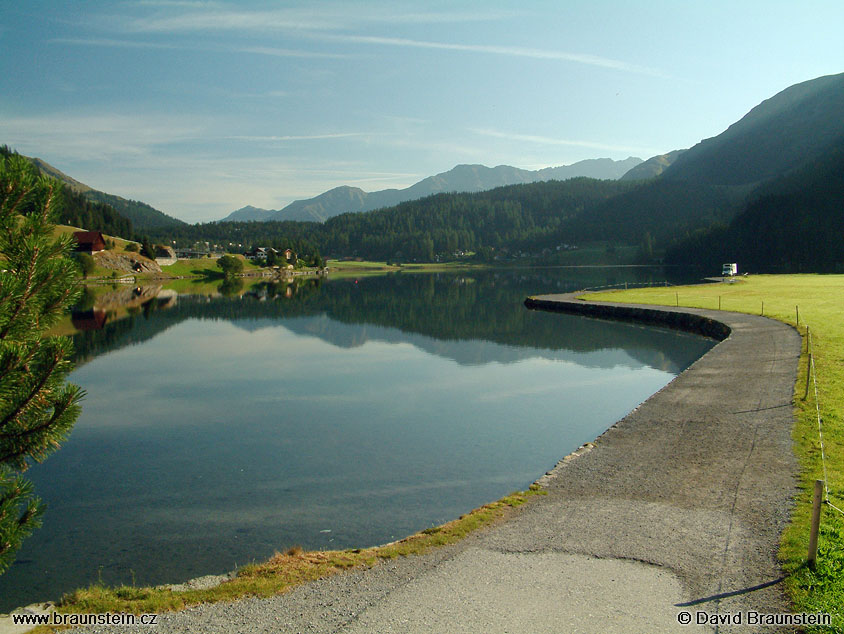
<point x="141" y="215"/>
<point x="792" y="223"/>
<point x="516" y="217"/>
<point x="78" y="211"/>
<point x="780" y="134"/>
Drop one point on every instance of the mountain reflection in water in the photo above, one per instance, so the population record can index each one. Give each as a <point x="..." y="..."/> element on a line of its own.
<point x="220" y="428"/>
<point x="453" y="313"/>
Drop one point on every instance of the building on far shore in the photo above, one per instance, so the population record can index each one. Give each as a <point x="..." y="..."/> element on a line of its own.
<point x="165" y="255"/>
<point x="190" y="254"/>
<point x="89" y="241"/>
<point x="262" y="253"/>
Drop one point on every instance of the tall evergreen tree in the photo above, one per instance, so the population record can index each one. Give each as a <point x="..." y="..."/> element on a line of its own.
<point x="147" y="249"/>
<point x="38" y="281"/>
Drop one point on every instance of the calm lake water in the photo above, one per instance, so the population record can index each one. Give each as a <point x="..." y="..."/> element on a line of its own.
<point x="219" y="429"/>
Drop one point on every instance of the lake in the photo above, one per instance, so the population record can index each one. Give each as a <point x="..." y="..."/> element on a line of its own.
<point x="220" y="428"/>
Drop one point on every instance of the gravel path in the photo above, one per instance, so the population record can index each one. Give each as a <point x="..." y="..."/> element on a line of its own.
<point x="678" y="507"/>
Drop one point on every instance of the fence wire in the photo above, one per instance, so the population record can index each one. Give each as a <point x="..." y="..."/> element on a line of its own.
<point x="811" y="369"/>
<point x="626" y="285"/>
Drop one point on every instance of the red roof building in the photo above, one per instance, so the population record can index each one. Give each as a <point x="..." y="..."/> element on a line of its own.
<point x="90" y="241"/>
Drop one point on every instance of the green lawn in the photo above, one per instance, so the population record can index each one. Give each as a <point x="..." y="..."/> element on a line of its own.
<point x="198" y="266"/>
<point x="354" y="265"/>
<point x="341" y="268"/>
<point x="819" y="300"/>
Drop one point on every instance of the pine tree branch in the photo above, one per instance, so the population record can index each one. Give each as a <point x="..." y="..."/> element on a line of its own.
<point x="23" y="405"/>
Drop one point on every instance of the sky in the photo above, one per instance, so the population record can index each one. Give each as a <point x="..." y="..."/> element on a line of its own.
<point x="199" y="108"/>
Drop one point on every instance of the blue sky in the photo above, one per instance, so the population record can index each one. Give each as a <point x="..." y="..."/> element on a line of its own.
<point x="199" y="108"/>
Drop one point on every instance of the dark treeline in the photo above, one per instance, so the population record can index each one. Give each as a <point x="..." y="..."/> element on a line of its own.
<point x="530" y="217"/>
<point x="238" y="237"/>
<point x="688" y="220"/>
<point x="661" y="209"/>
<point x="792" y="224"/>
<point x="518" y="217"/>
<point x="143" y="216"/>
<point x="78" y="211"/>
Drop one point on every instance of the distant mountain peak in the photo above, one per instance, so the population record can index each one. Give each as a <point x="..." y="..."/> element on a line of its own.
<point x="465" y="177"/>
<point x="249" y="214"/>
<point x="653" y="167"/>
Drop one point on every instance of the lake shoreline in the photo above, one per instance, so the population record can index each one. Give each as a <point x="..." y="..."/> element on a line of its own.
<point x="660" y="486"/>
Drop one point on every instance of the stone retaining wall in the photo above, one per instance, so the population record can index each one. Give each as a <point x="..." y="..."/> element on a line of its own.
<point x="688" y="322"/>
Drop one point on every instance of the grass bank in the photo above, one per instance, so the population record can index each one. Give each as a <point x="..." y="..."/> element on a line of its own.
<point x="286" y="570"/>
<point x="346" y="268"/>
<point x="202" y="267"/>
<point x="815" y="300"/>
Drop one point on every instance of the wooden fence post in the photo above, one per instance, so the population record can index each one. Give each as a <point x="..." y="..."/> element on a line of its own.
<point x="816" y="523"/>
<point x="808" y="375"/>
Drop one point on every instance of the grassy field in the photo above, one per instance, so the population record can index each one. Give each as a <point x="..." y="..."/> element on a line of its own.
<point x="206" y="267"/>
<point x="367" y="267"/>
<point x="817" y="300"/>
<point x="199" y="266"/>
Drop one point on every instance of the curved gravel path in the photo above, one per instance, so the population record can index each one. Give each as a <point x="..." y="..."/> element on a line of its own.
<point x="678" y="507"/>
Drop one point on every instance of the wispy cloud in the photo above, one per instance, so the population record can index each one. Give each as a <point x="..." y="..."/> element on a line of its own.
<point x="250" y="50"/>
<point x="136" y="155"/>
<point x="333" y="23"/>
<point x="509" y="51"/>
<point x="302" y="137"/>
<point x="99" y="136"/>
<point x="86" y="136"/>
<point x="216" y="17"/>
<point x="545" y="140"/>
<point x="287" y="52"/>
<point x="112" y="43"/>
<point x="195" y="4"/>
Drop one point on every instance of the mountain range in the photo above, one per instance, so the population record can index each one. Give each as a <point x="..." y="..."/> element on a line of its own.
<point x="760" y="191"/>
<point x="711" y="182"/>
<point x="462" y="178"/>
<point x="696" y="200"/>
